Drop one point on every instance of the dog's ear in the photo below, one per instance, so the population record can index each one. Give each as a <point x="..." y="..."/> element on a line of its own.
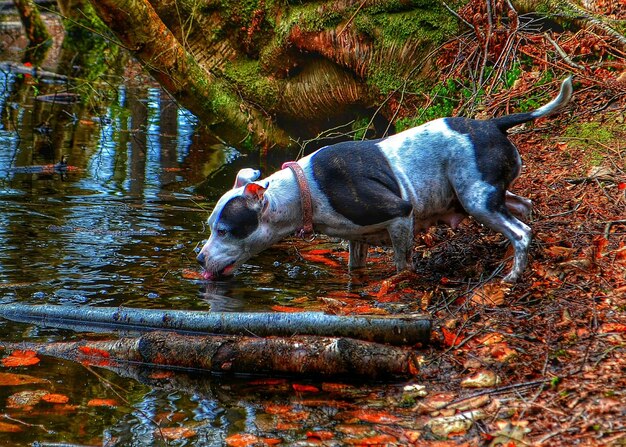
<point x="254" y="191"/>
<point x="245" y="176"/>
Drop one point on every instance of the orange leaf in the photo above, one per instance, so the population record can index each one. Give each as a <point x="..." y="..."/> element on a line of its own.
<point x="241" y="440"/>
<point x="5" y="427"/>
<point x="267" y="382"/>
<point x="330" y="387"/>
<point x="322" y="435"/>
<point x="161" y="375"/>
<point x="277" y="408"/>
<point x="319" y="251"/>
<point x="613" y="327"/>
<point x="319" y="259"/>
<point x="373" y="440"/>
<point x="21" y="358"/>
<point x="599" y="243"/>
<point x="450" y="338"/>
<point x="10" y="379"/>
<point x="489" y="294"/>
<point x="192" y="274"/>
<point x="95" y="352"/>
<point x="174" y="433"/>
<point x="373" y="416"/>
<point x="288" y="426"/>
<point x="384" y="288"/>
<point x="102" y="403"/>
<point x="501" y="352"/>
<point x="305" y="388"/>
<point x="55" y="398"/>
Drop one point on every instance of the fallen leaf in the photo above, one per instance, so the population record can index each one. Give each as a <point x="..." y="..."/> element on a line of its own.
<point x="557" y="251"/>
<point x="192" y="274"/>
<point x="450" y="338"/>
<point x="377" y="440"/>
<point x="365" y="415"/>
<point x="491" y="294"/>
<point x="25" y="399"/>
<point x="459" y="423"/>
<point x="21" y="358"/>
<point x="510" y="434"/>
<point x="322" y="435"/>
<point x="10" y="379"/>
<point x="95" y="352"/>
<point x="5" y="427"/>
<point x="159" y="375"/>
<point x="174" y="433"/>
<point x="53" y="398"/>
<point x="282" y="425"/>
<point x="502" y="353"/>
<point x="612" y="327"/>
<point x="305" y="388"/>
<point x="102" y="403"/>
<point x="482" y="379"/>
<point x="331" y="387"/>
<point x="354" y="429"/>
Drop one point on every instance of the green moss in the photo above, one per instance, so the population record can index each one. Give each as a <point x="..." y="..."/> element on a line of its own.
<point x="590" y="140"/>
<point x="429" y="24"/>
<point x="247" y="77"/>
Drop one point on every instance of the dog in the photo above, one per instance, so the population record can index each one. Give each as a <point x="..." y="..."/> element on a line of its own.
<point x="381" y="192"/>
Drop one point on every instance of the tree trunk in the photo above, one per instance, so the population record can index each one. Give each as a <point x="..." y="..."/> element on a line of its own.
<point x="36" y="31"/>
<point x="141" y="30"/>
<point x="302" y="355"/>
<point x="398" y="330"/>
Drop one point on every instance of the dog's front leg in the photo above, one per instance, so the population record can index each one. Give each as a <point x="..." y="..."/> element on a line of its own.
<point x="401" y="233"/>
<point x="358" y="254"/>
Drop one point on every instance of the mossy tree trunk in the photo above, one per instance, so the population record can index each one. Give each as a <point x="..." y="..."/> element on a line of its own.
<point x="36" y="32"/>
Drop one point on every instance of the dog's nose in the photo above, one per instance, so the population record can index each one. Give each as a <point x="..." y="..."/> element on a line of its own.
<point x="201" y="258"/>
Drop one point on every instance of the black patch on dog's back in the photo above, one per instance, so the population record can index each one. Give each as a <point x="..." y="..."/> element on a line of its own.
<point x="496" y="157"/>
<point x="238" y="218"/>
<point x="359" y="183"/>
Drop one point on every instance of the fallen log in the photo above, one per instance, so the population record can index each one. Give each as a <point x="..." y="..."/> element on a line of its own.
<point x="408" y="329"/>
<point x="300" y="355"/>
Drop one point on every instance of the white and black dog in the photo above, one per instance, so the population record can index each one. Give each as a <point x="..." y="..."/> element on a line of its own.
<point x="380" y="192"/>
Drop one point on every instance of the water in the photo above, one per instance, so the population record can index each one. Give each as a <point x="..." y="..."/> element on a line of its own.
<point x="121" y="226"/>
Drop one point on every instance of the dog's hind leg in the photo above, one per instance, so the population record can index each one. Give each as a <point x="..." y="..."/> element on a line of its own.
<point x="358" y="254"/>
<point x="519" y="206"/>
<point x="492" y="212"/>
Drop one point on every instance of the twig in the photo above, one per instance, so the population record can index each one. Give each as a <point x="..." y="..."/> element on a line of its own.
<point x="499" y="390"/>
<point x="12" y="419"/>
<point x="351" y="18"/>
<point x="562" y="53"/>
<point x="455" y="14"/>
<point x="607" y="228"/>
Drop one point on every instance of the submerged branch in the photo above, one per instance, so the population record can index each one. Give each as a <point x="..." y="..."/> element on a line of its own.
<point x="399" y="330"/>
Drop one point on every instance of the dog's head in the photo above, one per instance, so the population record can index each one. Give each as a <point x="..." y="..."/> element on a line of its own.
<point x="237" y="228"/>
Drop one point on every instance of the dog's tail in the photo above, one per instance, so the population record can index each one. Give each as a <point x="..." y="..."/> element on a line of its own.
<point x="506" y="122"/>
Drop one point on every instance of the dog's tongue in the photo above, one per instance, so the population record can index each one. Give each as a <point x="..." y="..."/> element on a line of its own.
<point x="209" y="276"/>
